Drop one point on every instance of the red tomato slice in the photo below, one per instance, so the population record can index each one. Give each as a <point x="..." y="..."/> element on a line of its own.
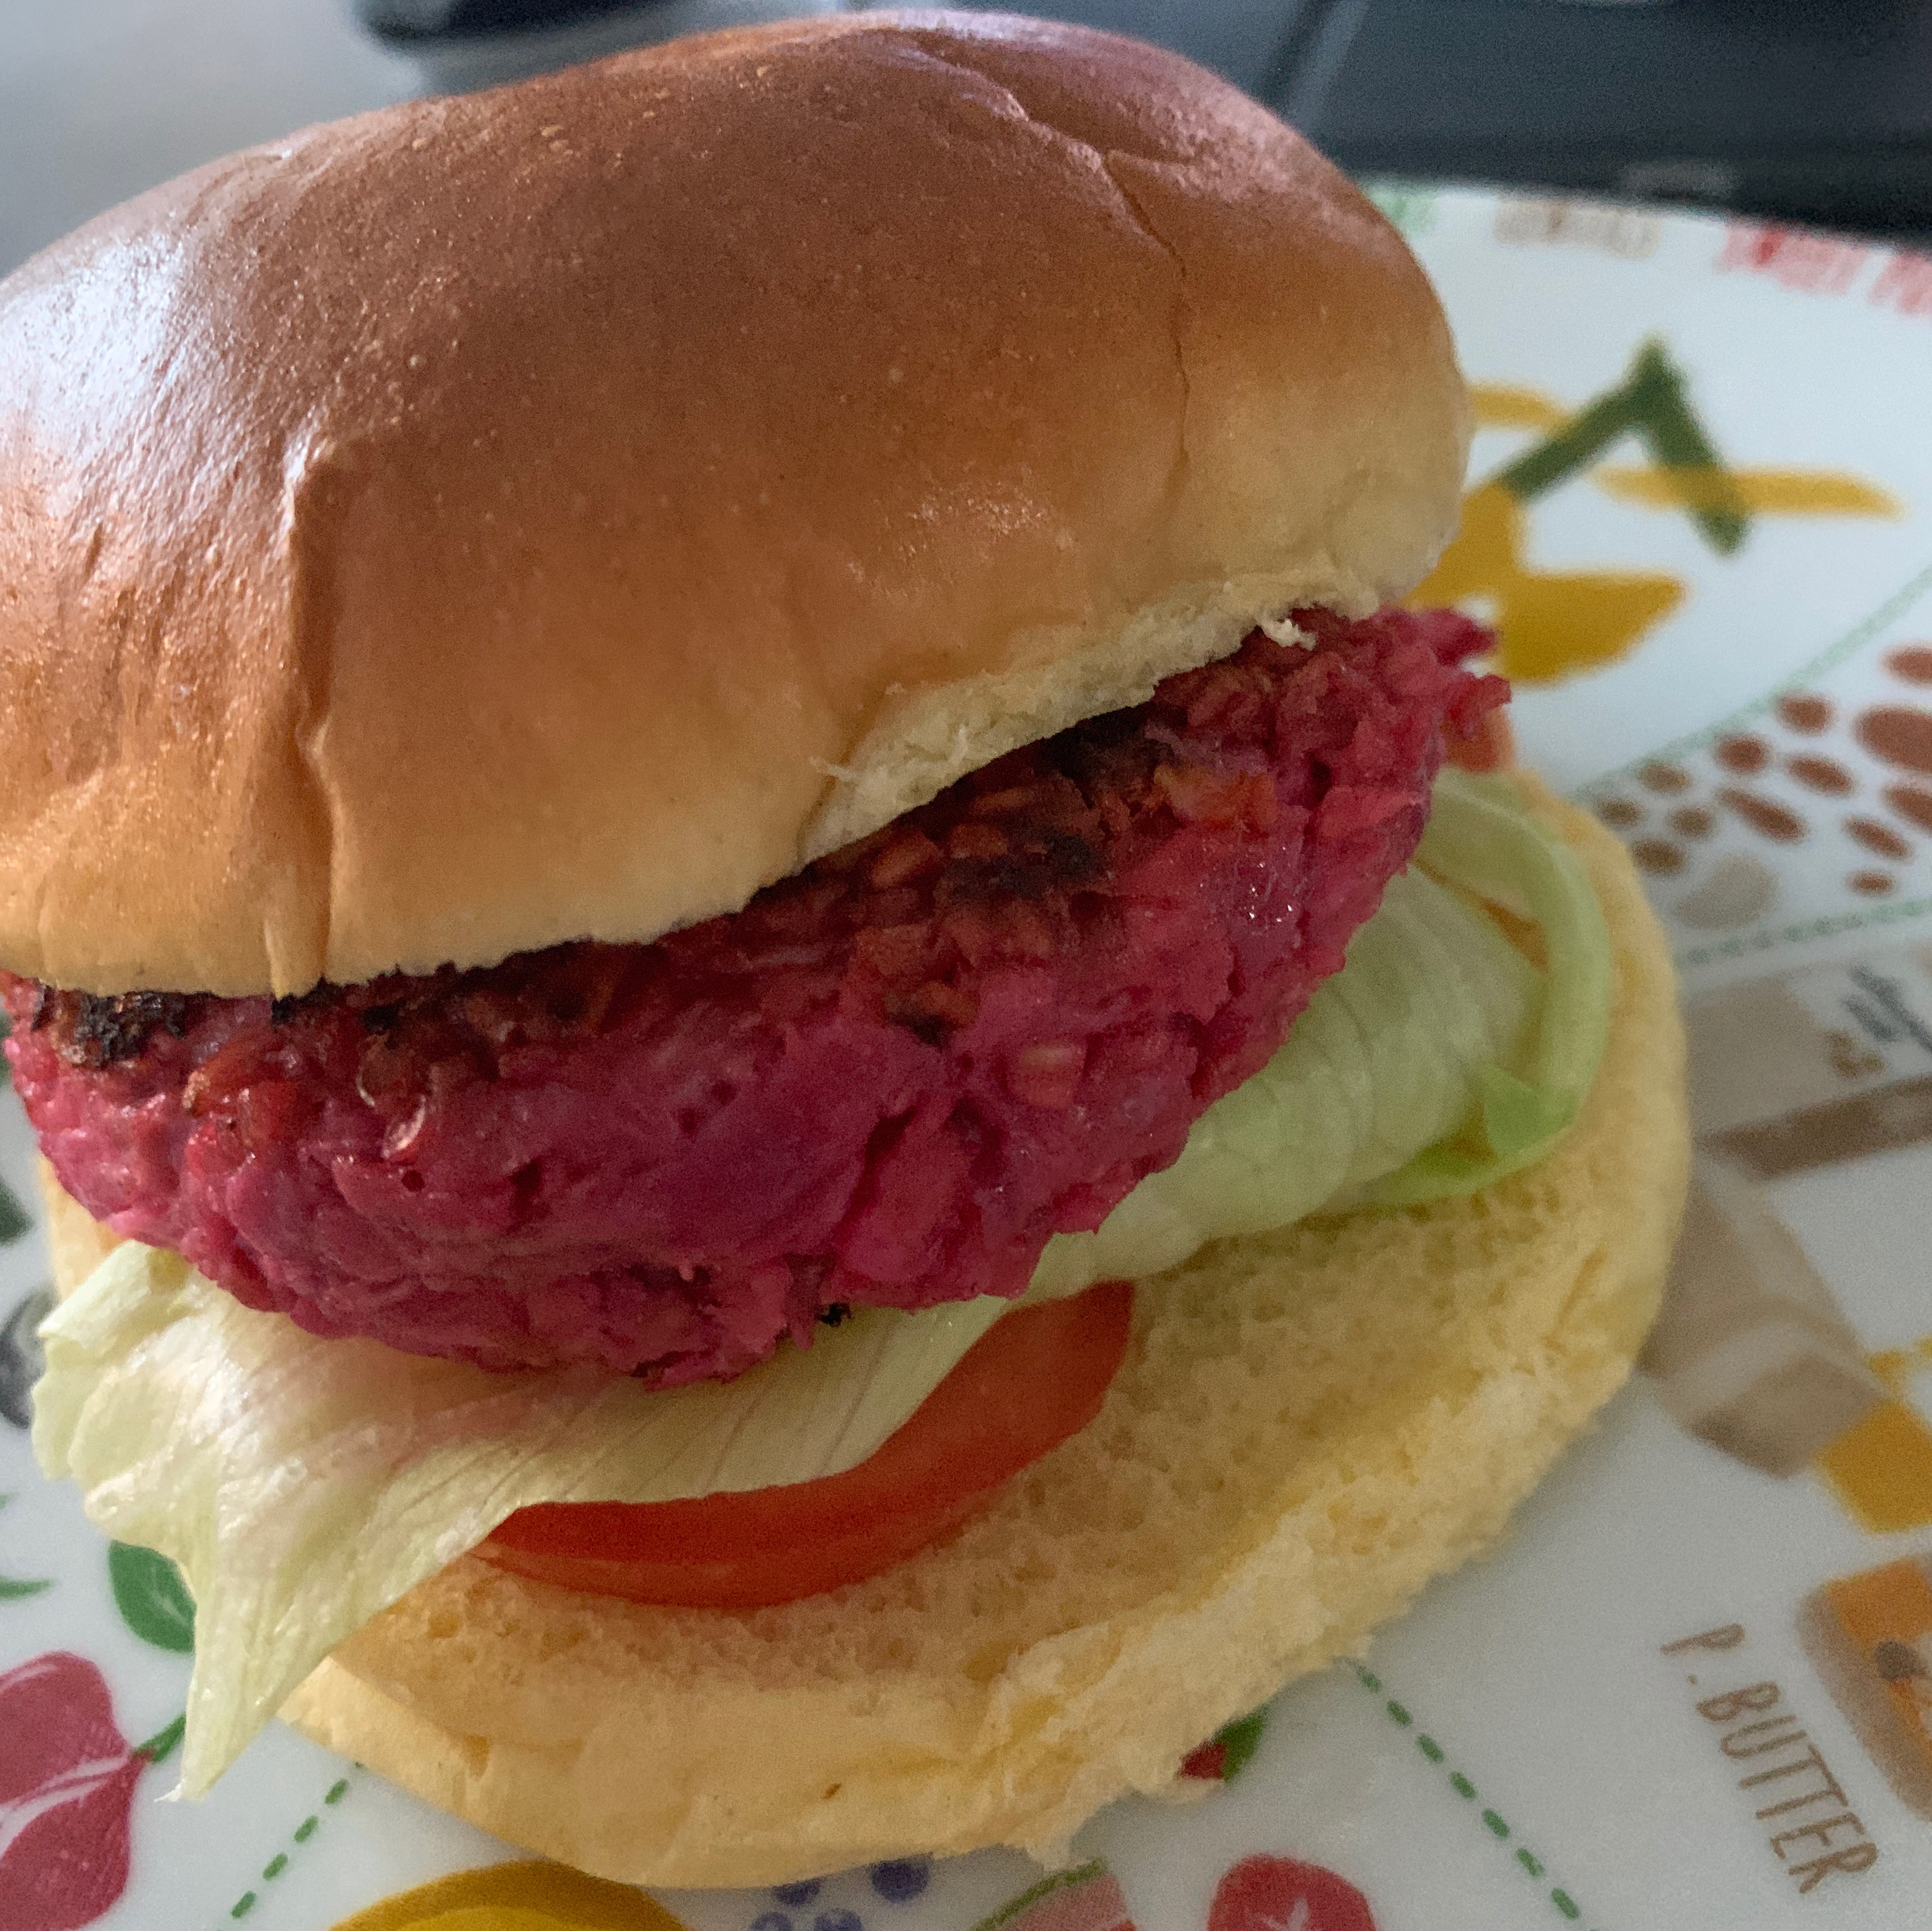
<point x="1036" y="1377"/>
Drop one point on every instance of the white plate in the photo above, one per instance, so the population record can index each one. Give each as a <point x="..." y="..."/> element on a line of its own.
<point x="1689" y="1691"/>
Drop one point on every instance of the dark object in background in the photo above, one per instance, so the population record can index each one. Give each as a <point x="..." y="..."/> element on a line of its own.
<point x="404" y="20"/>
<point x="1238" y="38"/>
<point x="1810" y="110"/>
<point x="460" y="44"/>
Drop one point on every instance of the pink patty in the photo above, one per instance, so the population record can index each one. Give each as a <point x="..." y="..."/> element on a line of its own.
<point x="889" y="1079"/>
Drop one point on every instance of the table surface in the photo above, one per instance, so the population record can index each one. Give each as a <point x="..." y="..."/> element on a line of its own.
<point x="101" y="100"/>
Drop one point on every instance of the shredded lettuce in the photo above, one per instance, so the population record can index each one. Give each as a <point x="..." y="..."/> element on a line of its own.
<point x="303" y="1484"/>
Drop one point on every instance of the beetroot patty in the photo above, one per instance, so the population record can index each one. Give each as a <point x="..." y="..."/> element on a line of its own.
<point x="889" y="1079"/>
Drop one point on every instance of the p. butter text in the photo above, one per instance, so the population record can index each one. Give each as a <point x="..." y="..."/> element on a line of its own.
<point x="1813" y="1830"/>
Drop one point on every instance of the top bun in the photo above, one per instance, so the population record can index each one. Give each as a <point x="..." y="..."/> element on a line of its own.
<point x="559" y="511"/>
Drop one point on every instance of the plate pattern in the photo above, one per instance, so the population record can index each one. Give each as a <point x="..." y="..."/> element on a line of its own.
<point x="1695" y="1688"/>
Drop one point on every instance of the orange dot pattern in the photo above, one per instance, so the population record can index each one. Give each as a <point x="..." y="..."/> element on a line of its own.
<point x="1898" y="734"/>
<point x="1822" y="774"/>
<point x="1658" y="855"/>
<point x="1911" y="802"/>
<point x="1743" y="755"/>
<point x="1764" y="816"/>
<point x="1878" y="837"/>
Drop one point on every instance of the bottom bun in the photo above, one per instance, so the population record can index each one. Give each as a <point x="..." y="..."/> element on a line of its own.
<point x="1308" y="1427"/>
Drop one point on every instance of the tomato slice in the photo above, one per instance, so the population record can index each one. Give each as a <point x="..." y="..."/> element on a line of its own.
<point x="1038" y="1375"/>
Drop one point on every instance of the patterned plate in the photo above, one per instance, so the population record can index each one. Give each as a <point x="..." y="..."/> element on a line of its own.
<point x="1695" y="1688"/>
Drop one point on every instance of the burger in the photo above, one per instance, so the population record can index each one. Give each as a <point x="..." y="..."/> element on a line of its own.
<point x="789" y="1114"/>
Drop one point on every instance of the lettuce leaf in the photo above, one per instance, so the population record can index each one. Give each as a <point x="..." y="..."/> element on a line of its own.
<point x="303" y="1485"/>
<point x="1388" y="1058"/>
<point x="1483" y="839"/>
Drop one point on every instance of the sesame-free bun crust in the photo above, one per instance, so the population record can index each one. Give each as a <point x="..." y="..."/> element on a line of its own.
<point x="561" y="511"/>
<point x="1307" y="1428"/>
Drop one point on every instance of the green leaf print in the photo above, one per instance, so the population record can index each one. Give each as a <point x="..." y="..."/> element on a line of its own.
<point x="150" y="1594"/>
<point x="1239" y="1741"/>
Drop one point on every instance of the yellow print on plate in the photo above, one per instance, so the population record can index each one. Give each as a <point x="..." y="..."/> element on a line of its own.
<point x="1555" y="624"/>
<point x="525" y="1896"/>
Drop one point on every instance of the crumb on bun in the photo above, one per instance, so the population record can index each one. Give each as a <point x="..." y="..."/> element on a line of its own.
<point x="559" y="511"/>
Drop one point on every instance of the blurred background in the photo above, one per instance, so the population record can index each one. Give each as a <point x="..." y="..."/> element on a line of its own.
<point x="1815" y="111"/>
